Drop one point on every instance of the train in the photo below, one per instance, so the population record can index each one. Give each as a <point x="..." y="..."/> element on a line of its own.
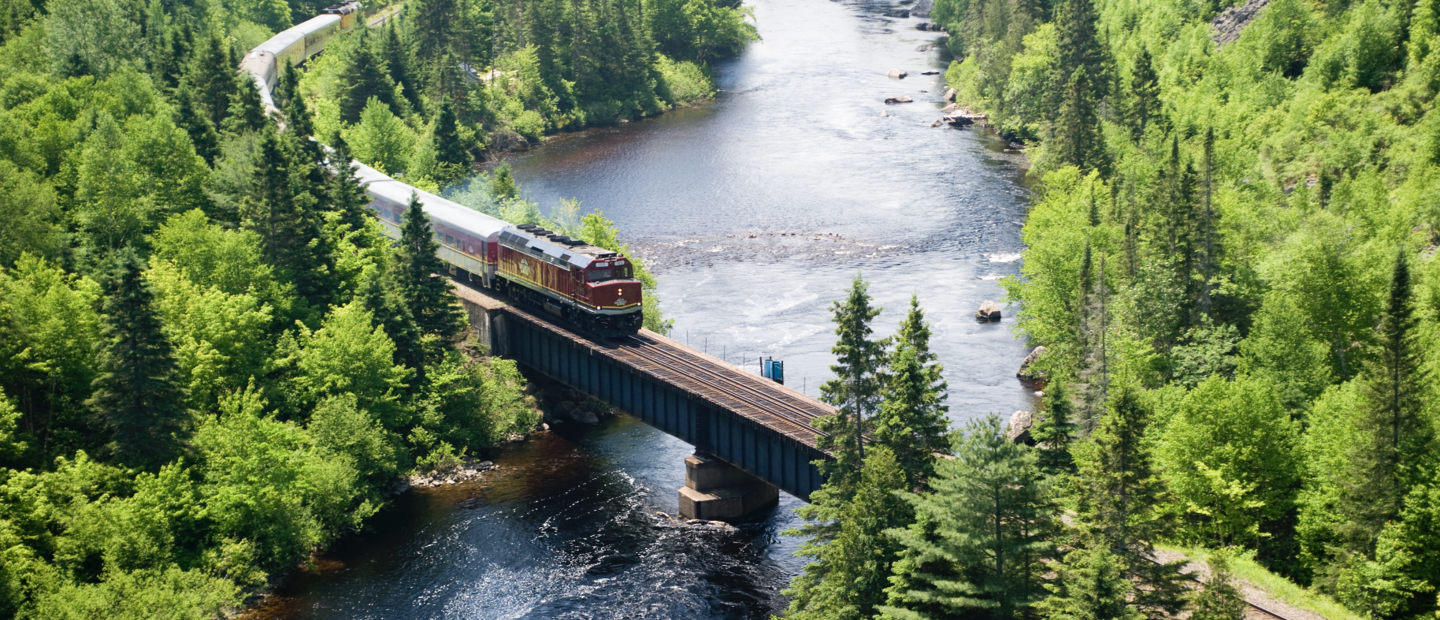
<point x="586" y="286"/>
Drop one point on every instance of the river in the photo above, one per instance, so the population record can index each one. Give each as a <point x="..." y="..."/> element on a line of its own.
<point x="755" y="211"/>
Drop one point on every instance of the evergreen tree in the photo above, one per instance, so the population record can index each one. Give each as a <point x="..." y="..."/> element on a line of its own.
<point x="362" y="77"/>
<point x="1078" y="140"/>
<point x="247" y="112"/>
<point x="1054" y="432"/>
<point x="911" y="421"/>
<point x="387" y="305"/>
<point x="137" y="394"/>
<point x="301" y="125"/>
<point x="981" y="535"/>
<point x="848" y="577"/>
<point x="1397" y="436"/>
<point x="1080" y="49"/>
<point x="1091" y="584"/>
<point x="281" y="209"/>
<point x="288" y="86"/>
<point x="212" y="81"/>
<point x="346" y="195"/>
<point x="1118" y="494"/>
<point x="190" y="118"/>
<point x="396" y="54"/>
<point x="1218" y="598"/>
<point x="1145" y="90"/>
<point x="855" y="390"/>
<point x="502" y="183"/>
<point x="448" y="148"/>
<point x="424" y="285"/>
<point x="1206" y="236"/>
<point x="855" y="393"/>
<point x="1095" y="353"/>
<point x="439" y="29"/>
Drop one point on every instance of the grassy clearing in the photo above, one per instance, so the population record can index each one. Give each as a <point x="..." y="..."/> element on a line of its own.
<point x="1277" y="587"/>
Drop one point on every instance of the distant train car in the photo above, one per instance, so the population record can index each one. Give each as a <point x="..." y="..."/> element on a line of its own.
<point x="296" y="44"/>
<point x="468" y="238"/>
<point x="589" y="286"/>
<point x="592" y="288"/>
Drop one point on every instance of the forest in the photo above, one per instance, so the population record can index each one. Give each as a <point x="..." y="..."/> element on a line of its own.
<point x="1231" y="267"/>
<point x="212" y="362"/>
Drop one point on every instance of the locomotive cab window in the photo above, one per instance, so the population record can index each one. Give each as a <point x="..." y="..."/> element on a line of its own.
<point x="597" y="275"/>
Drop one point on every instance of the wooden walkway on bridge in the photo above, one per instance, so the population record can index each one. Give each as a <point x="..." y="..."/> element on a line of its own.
<point x="751" y="422"/>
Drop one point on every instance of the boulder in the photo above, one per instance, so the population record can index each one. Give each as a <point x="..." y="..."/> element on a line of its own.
<point x="927" y="26"/>
<point x="959" y="120"/>
<point x="931" y="72"/>
<point x="1019" y="429"/>
<point x="1027" y="371"/>
<point x="927" y="47"/>
<point x="900" y="13"/>
<point x="899" y="99"/>
<point x="937" y="123"/>
<point x="950" y="95"/>
<point x="898" y="74"/>
<point x="988" y="312"/>
<point x="950" y="109"/>
<point x="922" y="8"/>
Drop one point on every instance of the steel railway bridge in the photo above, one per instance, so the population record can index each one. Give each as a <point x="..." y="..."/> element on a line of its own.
<point x="752" y="436"/>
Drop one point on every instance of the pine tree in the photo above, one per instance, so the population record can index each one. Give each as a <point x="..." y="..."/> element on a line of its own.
<point x="386" y="304"/>
<point x="212" y="81"/>
<point x="1219" y="598"/>
<point x="1090" y="584"/>
<point x="363" y="76"/>
<point x="911" y="420"/>
<point x="300" y="124"/>
<point x="282" y="210"/>
<point x="1078" y="140"/>
<point x="137" y="395"/>
<point x="346" y="195"/>
<point x="981" y="535"/>
<point x="502" y="183"/>
<point x="1095" y="354"/>
<point x="423" y="283"/>
<point x="1117" y="495"/>
<point x="1080" y="48"/>
<point x="396" y="54"/>
<point x="848" y="576"/>
<point x="1145" y="89"/>
<point x="855" y="390"/>
<point x="190" y="118"/>
<point x="1397" y="434"/>
<point x="288" y="86"/>
<point x="1054" y="432"/>
<point x="1207" y="248"/>
<point x="448" y="148"/>
<point x="247" y="112"/>
<point x="439" y="29"/>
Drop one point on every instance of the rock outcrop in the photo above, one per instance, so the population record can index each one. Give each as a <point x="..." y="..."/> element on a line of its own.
<point x="899" y="99"/>
<point x="1019" y="429"/>
<point x="898" y="74"/>
<point x="989" y="312"/>
<point x="1226" y="26"/>
<point x="922" y="8"/>
<point x="1027" y="371"/>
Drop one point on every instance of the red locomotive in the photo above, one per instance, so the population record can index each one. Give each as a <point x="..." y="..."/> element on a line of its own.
<point x="592" y="287"/>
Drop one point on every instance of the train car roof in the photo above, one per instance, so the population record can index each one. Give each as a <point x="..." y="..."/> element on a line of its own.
<point x="554" y="245"/>
<point x="381" y="185"/>
<point x="288" y="37"/>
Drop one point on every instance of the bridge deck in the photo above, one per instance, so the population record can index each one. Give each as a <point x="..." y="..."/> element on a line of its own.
<point x="742" y="418"/>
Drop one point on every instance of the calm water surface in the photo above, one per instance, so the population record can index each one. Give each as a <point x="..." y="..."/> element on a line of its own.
<point x="755" y="211"/>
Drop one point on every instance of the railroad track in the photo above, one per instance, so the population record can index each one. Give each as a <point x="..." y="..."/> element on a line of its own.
<point x="653" y="350"/>
<point x="1252" y="605"/>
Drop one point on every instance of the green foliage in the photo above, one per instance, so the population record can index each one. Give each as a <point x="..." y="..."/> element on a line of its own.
<point x="981" y="536"/>
<point x="856" y="389"/>
<point x="33" y="219"/>
<point x="848" y="577"/>
<point x="1230" y="457"/>
<point x="349" y="356"/>
<point x="423" y="284"/>
<point x="600" y="232"/>
<point x="137" y="393"/>
<point x="90" y="37"/>
<point x="381" y="139"/>
<point x="1091" y="584"/>
<point x="911" y="419"/>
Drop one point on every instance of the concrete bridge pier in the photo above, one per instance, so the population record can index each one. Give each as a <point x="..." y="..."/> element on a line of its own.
<point x="718" y="491"/>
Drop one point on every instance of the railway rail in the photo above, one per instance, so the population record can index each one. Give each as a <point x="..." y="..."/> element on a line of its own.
<point x="773" y="403"/>
<point x="1252" y="605"/>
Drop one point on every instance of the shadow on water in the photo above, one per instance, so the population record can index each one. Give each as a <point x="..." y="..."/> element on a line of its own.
<point x="755" y="210"/>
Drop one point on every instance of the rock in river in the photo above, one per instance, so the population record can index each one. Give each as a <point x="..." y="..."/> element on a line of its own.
<point x="899" y="99"/>
<point x="900" y="13"/>
<point x="898" y="74"/>
<point x="988" y="312"/>
<point x="950" y="95"/>
<point x="1027" y="370"/>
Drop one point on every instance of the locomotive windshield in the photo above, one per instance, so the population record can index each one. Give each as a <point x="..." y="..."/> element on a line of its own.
<point x="597" y="275"/>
